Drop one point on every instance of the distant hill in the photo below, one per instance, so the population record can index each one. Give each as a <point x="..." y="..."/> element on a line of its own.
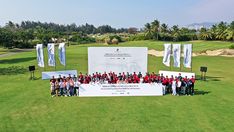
<point x="200" y="25"/>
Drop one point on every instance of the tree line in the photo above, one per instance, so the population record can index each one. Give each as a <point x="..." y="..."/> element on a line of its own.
<point x="156" y="31"/>
<point x="29" y="33"/>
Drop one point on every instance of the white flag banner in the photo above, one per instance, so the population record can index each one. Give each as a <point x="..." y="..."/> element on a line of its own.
<point x="62" y="53"/>
<point x="40" y="55"/>
<point x="51" y="58"/>
<point x="187" y="55"/>
<point x="167" y="54"/>
<point x="176" y="55"/>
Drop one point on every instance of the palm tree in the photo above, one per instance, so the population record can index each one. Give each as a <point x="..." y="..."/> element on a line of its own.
<point x="155" y="28"/>
<point x="230" y="31"/>
<point x="219" y="31"/>
<point x="148" y="32"/>
<point x="175" y="32"/>
<point x="164" y="30"/>
<point x="205" y="34"/>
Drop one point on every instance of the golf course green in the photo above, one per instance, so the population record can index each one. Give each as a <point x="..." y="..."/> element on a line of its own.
<point x="26" y="105"/>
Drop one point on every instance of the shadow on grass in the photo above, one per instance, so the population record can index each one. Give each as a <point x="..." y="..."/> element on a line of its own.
<point x="201" y="92"/>
<point x="35" y="78"/>
<point x="16" y="60"/>
<point x="13" y="70"/>
<point x="208" y="78"/>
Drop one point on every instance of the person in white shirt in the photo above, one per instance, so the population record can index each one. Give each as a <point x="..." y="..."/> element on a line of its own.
<point x="52" y="88"/>
<point x="179" y="86"/>
<point x="76" y="87"/>
<point x="173" y="86"/>
<point x="67" y="88"/>
<point x="61" y="87"/>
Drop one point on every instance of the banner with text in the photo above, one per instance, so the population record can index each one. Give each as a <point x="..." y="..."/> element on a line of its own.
<point x="117" y="59"/>
<point x="176" y="74"/>
<point x="142" y="89"/>
<point x="40" y="55"/>
<point x="51" y="55"/>
<point x="167" y="54"/>
<point x="48" y="75"/>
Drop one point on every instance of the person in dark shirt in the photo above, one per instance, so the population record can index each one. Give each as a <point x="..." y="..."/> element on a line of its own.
<point x="52" y="79"/>
<point x="139" y="75"/>
<point x="120" y="77"/>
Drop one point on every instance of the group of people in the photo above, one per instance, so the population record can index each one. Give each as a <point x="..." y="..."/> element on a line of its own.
<point x="69" y="86"/>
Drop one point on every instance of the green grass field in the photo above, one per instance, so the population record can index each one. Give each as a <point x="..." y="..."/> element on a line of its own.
<point x="26" y="105"/>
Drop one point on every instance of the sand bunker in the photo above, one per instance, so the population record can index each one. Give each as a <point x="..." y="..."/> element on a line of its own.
<point x="219" y="52"/>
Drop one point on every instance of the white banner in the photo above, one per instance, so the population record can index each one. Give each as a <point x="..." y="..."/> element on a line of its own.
<point x="143" y="89"/>
<point x="187" y="55"/>
<point x="176" y="74"/>
<point x="40" y="55"/>
<point x="62" y="53"/>
<point x="48" y="75"/>
<point x="117" y="59"/>
<point x="176" y="55"/>
<point x="51" y="57"/>
<point x="167" y="54"/>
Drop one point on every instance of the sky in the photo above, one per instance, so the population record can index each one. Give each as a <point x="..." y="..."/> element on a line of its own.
<point x="117" y="13"/>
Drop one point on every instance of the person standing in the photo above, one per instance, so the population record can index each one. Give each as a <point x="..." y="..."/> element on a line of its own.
<point x="52" y="87"/>
<point x="173" y="86"/>
<point x="61" y="87"/>
<point x="67" y="87"/>
<point x="164" y="85"/>
<point x="76" y="87"/>
<point x="178" y="86"/>
<point x="56" y="87"/>
<point x="71" y="89"/>
<point x="193" y="82"/>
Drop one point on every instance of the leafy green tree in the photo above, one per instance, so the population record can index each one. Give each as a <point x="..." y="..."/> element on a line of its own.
<point x="175" y="32"/>
<point x="155" y="28"/>
<point x="164" y="31"/>
<point x="230" y="32"/>
<point x="205" y="34"/>
<point x="148" y="31"/>
<point x="6" y="38"/>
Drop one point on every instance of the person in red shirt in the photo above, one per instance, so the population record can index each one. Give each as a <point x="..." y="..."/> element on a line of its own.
<point x="136" y="79"/>
<point x="192" y="84"/>
<point x="124" y="76"/>
<point x="134" y="74"/>
<point x="52" y="79"/>
<point x="146" y="79"/>
<point x="164" y="84"/>
<point x="129" y="80"/>
<point x="170" y="84"/>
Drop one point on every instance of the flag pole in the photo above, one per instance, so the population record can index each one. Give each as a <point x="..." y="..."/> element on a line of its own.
<point x="43" y="57"/>
<point x="54" y="58"/>
<point x="180" y="57"/>
<point x="192" y="58"/>
<point x="170" y="57"/>
<point x="65" y="56"/>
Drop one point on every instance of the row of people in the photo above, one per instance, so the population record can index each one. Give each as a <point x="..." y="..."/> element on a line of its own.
<point x="68" y="86"/>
